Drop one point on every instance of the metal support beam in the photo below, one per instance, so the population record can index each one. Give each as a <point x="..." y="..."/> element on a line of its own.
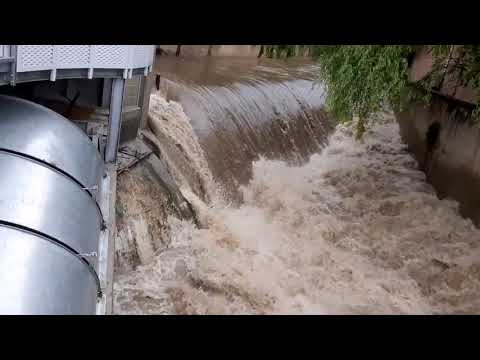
<point x="106" y="92"/>
<point x="13" y="69"/>
<point x="114" y="120"/>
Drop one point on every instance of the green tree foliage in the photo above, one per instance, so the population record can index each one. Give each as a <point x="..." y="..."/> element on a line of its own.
<point x="359" y="79"/>
<point x="461" y="62"/>
<point x="284" y="51"/>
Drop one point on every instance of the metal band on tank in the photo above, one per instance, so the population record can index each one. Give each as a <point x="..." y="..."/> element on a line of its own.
<point x="64" y="246"/>
<point x="57" y="207"/>
<point x="58" y="170"/>
<point x="40" y="133"/>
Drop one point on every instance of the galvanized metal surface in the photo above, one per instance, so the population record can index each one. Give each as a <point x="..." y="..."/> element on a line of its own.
<point x="106" y="252"/>
<point x="63" y="74"/>
<point x="4" y="51"/>
<point x="114" y="120"/>
<point x="38" y="276"/>
<point x="43" y="134"/>
<point x="49" y="222"/>
<point x="39" y="198"/>
<point x="13" y="68"/>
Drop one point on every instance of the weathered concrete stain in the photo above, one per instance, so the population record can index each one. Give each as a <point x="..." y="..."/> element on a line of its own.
<point x="446" y="143"/>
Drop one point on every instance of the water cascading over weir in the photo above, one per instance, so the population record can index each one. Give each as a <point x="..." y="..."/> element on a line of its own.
<point x="50" y="218"/>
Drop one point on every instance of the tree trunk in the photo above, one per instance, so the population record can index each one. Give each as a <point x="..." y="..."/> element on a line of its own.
<point x="260" y="53"/>
<point x="209" y="52"/>
<point x="179" y="47"/>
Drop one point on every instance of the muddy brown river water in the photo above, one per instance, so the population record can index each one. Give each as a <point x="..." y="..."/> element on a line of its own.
<point x="294" y="215"/>
<point x="245" y="108"/>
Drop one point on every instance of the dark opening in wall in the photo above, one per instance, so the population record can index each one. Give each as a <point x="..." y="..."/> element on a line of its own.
<point x="432" y="135"/>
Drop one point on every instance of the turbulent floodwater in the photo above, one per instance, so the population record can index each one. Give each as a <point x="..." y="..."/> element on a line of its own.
<point x="243" y="109"/>
<point x="354" y="230"/>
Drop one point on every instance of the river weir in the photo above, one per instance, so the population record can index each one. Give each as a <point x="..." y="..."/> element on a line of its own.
<point x="291" y="214"/>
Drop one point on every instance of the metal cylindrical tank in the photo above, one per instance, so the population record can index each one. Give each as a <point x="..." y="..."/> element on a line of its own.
<point x="39" y="198"/>
<point x="42" y="134"/>
<point x="39" y="276"/>
<point x="50" y="220"/>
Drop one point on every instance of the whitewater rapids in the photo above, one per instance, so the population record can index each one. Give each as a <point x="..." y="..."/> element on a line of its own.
<point x="356" y="230"/>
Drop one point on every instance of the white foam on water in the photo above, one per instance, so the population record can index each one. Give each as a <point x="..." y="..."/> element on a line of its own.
<point x="187" y="162"/>
<point x="356" y="230"/>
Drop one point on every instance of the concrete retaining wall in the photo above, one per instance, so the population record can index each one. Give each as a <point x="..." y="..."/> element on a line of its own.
<point x="446" y="142"/>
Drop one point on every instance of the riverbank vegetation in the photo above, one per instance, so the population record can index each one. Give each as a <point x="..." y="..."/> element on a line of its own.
<point x="361" y="78"/>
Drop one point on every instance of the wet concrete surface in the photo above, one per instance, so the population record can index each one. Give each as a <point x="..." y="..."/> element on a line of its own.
<point x="445" y="141"/>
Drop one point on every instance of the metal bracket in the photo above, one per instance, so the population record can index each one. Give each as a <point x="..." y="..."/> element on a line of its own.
<point x="92" y="254"/>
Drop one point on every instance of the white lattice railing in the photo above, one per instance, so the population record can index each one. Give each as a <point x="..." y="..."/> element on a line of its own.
<point x="54" y="57"/>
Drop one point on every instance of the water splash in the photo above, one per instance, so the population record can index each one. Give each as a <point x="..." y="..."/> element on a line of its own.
<point x="180" y="148"/>
<point x="355" y="230"/>
<point x="245" y="109"/>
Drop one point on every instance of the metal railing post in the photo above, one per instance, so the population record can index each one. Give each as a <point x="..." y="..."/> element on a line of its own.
<point x="114" y="120"/>
<point x="13" y="68"/>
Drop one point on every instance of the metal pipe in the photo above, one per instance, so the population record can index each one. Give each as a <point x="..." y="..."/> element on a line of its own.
<point x="50" y="223"/>
<point x="114" y="120"/>
<point x="38" y="197"/>
<point x="41" y="134"/>
<point x="39" y="276"/>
